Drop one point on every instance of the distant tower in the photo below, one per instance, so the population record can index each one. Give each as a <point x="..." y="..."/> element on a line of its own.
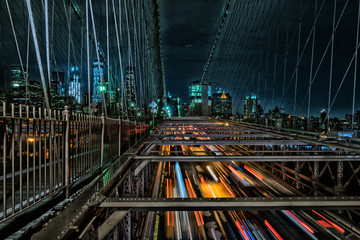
<point x="99" y="85"/>
<point x="74" y="84"/>
<point x="225" y="105"/>
<point x="18" y="77"/>
<point x="221" y="104"/>
<point x="58" y="84"/>
<point x="250" y="105"/>
<point x="200" y="99"/>
<point x="130" y="91"/>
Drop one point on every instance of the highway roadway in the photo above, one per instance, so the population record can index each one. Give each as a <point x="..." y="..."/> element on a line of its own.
<point x="229" y="179"/>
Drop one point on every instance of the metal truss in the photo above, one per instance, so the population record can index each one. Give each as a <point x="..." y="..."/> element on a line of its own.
<point x="311" y="158"/>
<point x="255" y="203"/>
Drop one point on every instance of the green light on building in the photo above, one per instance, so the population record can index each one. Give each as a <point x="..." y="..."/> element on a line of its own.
<point x="102" y="89"/>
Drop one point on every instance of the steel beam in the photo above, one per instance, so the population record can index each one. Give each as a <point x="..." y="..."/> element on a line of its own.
<point x="255" y="135"/>
<point x="254" y="203"/>
<point x="208" y="130"/>
<point x="312" y="158"/>
<point x="230" y="142"/>
<point x="310" y="139"/>
<point x="110" y="223"/>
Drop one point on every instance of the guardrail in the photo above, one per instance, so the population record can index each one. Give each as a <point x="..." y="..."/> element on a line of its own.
<point x="46" y="151"/>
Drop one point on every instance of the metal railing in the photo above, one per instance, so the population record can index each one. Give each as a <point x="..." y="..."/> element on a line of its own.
<point x="46" y="151"/>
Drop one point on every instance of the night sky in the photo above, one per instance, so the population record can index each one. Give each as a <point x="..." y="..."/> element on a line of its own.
<point x="188" y="32"/>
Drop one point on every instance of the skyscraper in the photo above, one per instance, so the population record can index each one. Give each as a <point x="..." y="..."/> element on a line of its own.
<point x="18" y="76"/>
<point x="74" y="84"/>
<point x="58" y="84"/>
<point x="250" y="105"/>
<point x="99" y="84"/>
<point x="200" y="99"/>
<point x="130" y="97"/>
<point x="221" y="104"/>
<point x="19" y="92"/>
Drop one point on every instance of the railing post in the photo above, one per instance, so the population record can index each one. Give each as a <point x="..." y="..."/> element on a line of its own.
<point x="102" y="141"/>
<point x="67" y="157"/>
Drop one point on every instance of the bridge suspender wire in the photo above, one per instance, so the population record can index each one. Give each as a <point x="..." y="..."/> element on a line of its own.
<point x="285" y="61"/>
<point x="331" y="65"/>
<point x="17" y="49"/>
<point x="128" y="53"/>
<point x="37" y="50"/>
<point x="136" y="70"/>
<point x="68" y="19"/>
<point x="270" y="24"/>
<point x="98" y="57"/>
<point x="345" y="74"/>
<point x="27" y="62"/>
<point x="88" y="55"/>
<point x="355" y="70"/>
<point x="297" y="66"/>
<point x="327" y="47"/>
<point x="245" y="32"/>
<point x="234" y="18"/>
<point x="46" y="9"/>
<point x="107" y="49"/>
<point x="119" y="53"/>
<point x="244" y="69"/>
<point x="121" y="64"/>
<point x="140" y="59"/>
<point x="311" y="69"/>
<point x="137" y="57"/>
<point x="275" y="63"/>
<point x="220" y="27"/>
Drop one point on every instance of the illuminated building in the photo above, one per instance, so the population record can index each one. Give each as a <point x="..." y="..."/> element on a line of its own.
<point x="130" y="94"/>
<point x="58" y="84"/>
<point x="250" y="106"/>
<point x="200" y="99"/>
<point x="99" y="84"/>
<point x="74" y="84"/>
<point x="18" y="77"/>
<point x="221" y="104"/>
<point x="174" y="106"/>
<point x="36" y="95"/>
<point x="19" y="93"/>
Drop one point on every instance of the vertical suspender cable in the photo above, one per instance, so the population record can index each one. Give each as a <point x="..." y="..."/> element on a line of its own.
<point x="311" y="68"/>
<point x="331" y="65"/>
<point x="355" y="70"/>
<point x="297" y="67"/>
<point x="69" y="47"/>
<point x="119" y="50"/>
<point x="37" y="50"/>
<point x="275" y="64"/>
<point x="27" y="63"/>
<point x="259" y="75"/>
<point x="17" y="48"/>
<point x="129" y="52"/>
<point x="98" y="56"/>
<point x="107" y="49"/>
<point x="46" y="9"/>
<point x="88" y="54"/>
<point x="267" y="63"/>
<point x="285" y="61"/>
<point x="121" y="65"/>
